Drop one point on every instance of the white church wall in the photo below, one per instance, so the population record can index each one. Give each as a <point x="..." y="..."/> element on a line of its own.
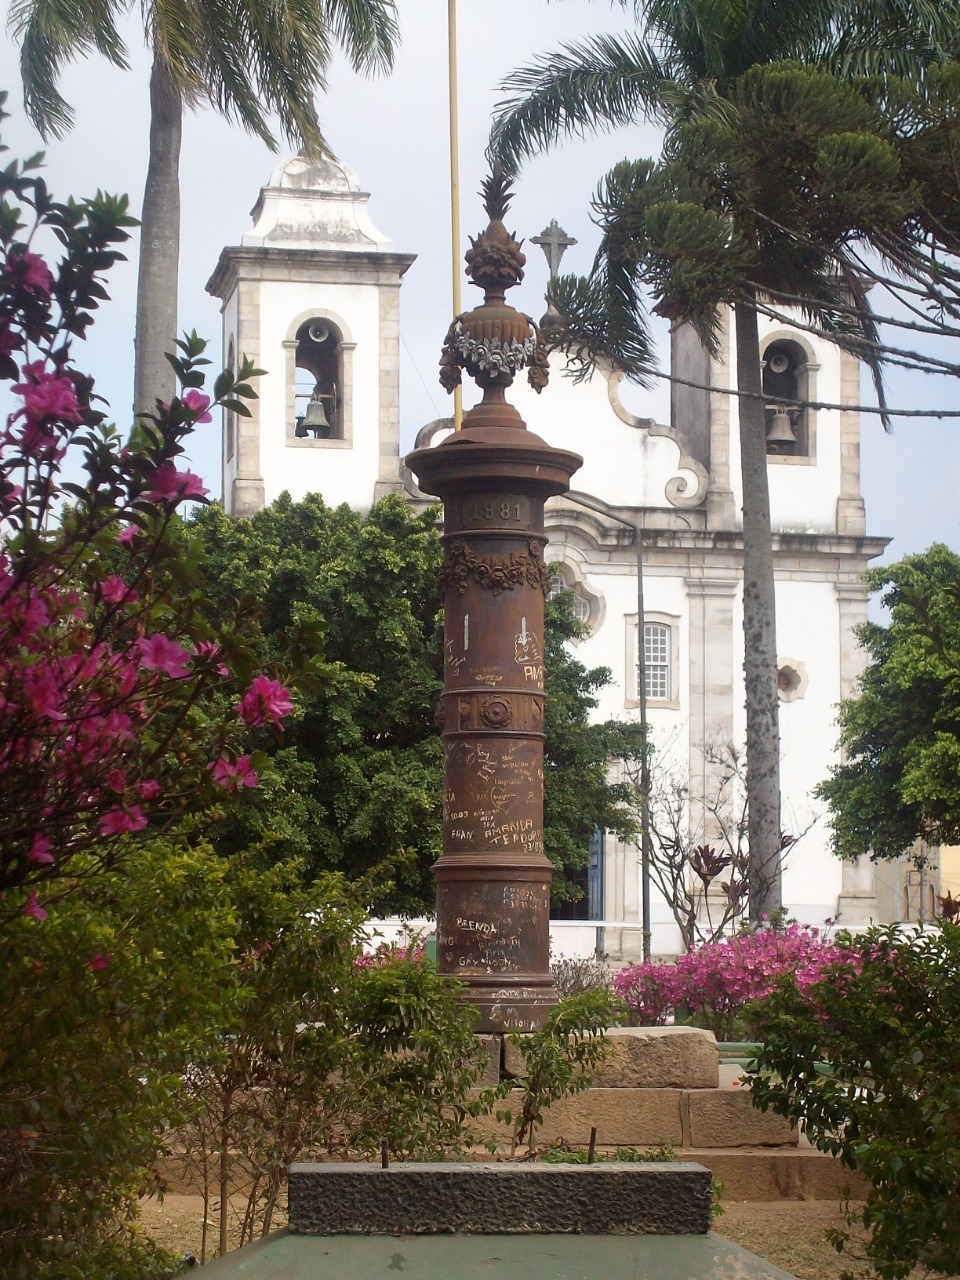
<point x="808" y="635"/>
<point x="624" y="463"/>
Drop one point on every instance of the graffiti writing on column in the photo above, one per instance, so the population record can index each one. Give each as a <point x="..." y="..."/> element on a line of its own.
<point x="528" y="653"/>
<point x="486" y="934"/>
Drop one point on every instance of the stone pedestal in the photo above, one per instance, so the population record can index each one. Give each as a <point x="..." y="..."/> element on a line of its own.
<point x="498" y="1199"/>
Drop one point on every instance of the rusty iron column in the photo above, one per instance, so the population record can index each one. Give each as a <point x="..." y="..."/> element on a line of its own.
<point x="493" y="879"/>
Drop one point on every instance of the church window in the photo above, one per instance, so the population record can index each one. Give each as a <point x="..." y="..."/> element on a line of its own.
<point x="787" y="382"/>
<point x="559" y="585"/>
<point x="656" y="660"/>
<point x="318" y="381"/>
<point x="659" y="660"/>
<point x="791" y="679"/>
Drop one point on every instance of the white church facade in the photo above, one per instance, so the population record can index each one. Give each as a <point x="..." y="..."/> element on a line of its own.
<point x="311" y="295"/>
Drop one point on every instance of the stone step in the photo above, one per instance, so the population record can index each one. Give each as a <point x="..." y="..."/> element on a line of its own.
<point x="777" y="1173"/>
<point x="648" y="1117"/>
<point x="646" y="1058"/>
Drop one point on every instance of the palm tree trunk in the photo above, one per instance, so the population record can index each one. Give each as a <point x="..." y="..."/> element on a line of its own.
<point x="158" y="280"/>
<point x="759" y="631"/>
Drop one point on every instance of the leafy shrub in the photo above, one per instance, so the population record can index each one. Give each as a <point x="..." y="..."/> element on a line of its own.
<point x="886" y="1019"/>
<point x="119" y="705"/>
<point x="561" y="1058"/>
<point x="712" y="985"/>
<point x="104" y="1004"/>
<point x="318" y="1054"/>
<point x="573" y="975"/>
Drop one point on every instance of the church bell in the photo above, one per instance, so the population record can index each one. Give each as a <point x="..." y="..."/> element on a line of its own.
<point x="780" y="430"/>
<point x="315" y="420"/>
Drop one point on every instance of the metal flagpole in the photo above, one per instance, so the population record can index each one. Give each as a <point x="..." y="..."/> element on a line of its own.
<point x="454" y="184"/>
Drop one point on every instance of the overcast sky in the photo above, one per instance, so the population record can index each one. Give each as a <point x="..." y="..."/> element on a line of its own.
<point x="393" y="132"/>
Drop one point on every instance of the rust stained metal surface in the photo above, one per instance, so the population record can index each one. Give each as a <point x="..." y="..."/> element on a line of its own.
<point x="493" y="878"/>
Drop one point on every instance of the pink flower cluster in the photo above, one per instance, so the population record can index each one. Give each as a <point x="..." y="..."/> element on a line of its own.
<point x="98" y="668"/>
<point x="49" y="408"/>
<point x="30" y="272"/>
<point x="712" y="984"/>
<point x="265" y="701"/>
<point x="233" y="774"/>
<point x="171" y="485"/>
<point x="385" y="952"/>
<point x="73" y="706"/>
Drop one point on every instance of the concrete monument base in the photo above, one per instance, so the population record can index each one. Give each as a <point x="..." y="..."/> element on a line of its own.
<point x="497" y="1222"/>
<point x="288" y="1256"/>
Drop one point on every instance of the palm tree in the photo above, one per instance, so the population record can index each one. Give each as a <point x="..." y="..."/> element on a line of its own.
<point x="247" y="58"/>
<point x="685" y="66"/>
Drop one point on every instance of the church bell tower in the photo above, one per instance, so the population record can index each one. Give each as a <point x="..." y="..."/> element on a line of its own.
<point x="311" y="295"/>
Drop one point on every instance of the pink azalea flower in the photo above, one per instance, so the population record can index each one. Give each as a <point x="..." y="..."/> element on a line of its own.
<point x="265" y="700"/>
<point x="171" y="485"/>
<point x="45" y="697"/>
<point x="98" y="962"/>
<point x="127" y="535"/>
<point x="197" y="403"/>
<point x="45" y="395"/>
<point x="115" y="725"/>
<point x="40" y="849"/>
<point x="207" y="649"/>
<point x="117" y="821"/>
<point x="160" y="653"/>
<point x="34" y="273"/>
<point x="32" y="611"/>
<point x="114" y="590"/>
<point x="233" y="774"/>
<point x="150" y="789"/>
<point x="33" y="907"/>
<point x="10" y="495"/>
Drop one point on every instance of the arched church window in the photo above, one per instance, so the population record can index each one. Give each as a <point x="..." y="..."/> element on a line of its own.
<point x="785" y="382"/>
<point x="318" y="381"/>
<point x="231" y="418"/>
<point x="559" y="584"/>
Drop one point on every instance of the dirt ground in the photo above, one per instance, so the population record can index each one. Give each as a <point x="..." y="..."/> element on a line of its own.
<point x="789" y="1233"/>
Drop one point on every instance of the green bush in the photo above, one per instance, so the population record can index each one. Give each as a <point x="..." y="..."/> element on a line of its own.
<point x="319" y="1055"/>
<point x="887" y="1023"/>
<point x="561" y="1058"/>
<point x="103" y="1003"/>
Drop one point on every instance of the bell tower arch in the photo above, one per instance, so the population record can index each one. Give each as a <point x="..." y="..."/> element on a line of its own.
<point x="311" y="295"/>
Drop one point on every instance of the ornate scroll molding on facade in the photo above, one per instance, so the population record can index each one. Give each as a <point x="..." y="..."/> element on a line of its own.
<point x="675" y="490"/>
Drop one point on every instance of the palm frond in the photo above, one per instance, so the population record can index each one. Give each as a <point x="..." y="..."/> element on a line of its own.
<point x="600" y="83"/>
<point x="250" y="59"/>
<point x="52" y="33"/>
<point x="870" y="351"/>
<point x="366" y="30"/>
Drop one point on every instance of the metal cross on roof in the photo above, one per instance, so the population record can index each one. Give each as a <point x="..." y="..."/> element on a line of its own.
<point x="553" y="240"/>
